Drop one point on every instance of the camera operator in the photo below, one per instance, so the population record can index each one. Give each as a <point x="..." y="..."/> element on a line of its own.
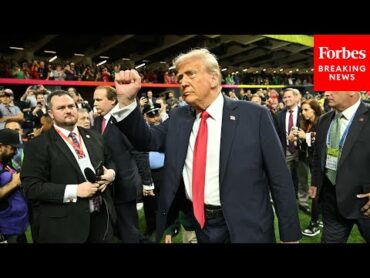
<point x="39" y="111"/>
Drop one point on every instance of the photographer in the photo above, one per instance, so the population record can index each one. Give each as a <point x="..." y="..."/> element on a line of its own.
<point x="39" y="111"/>
<point x="13" y="206"/>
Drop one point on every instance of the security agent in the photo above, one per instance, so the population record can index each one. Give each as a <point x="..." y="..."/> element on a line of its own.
<point x="152" y="113"/>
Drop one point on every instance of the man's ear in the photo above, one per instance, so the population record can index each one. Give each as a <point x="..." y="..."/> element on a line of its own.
<point x="51" y="114"/>
<point x="214" y="80"/>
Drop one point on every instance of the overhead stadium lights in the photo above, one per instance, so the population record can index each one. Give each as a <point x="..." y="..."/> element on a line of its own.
<point x="16" y="48"/>
<point x="101" y="63"/>
<point x="52" y="59"/>
<point x="50" y="51"/>
<point x="79" y="54"/>
<point x="162" y="62"/>
<point x="224" y="69"/>
<point x="171" y="68"/>
<point x="140" y="66"/>
<point x="104" y="57"/>
<point x="126" y="59"/>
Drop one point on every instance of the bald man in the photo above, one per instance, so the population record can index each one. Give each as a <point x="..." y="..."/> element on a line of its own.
<point x="340" y="176"/>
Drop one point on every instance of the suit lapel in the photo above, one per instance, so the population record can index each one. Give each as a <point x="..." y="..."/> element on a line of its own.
<point x="230" y="119"/>
<point x="90" y="146"/>
<point x="354" y="131"/>
<point x="184" y="130"/>
<point x="110" y="122"/>
<point x="97" y="124"/>
<point x="64" y="149"/>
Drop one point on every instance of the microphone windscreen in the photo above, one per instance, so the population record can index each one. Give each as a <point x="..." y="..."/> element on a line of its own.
<point x="90" y="175"/>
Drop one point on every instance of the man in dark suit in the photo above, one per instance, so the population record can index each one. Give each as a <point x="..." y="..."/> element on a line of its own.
<point x="66" y="207"/>
<point x="127" y="161"/>
<point x="227" y="181"/>
<point x="288" y="121"/>
<point x="340" y="176"/>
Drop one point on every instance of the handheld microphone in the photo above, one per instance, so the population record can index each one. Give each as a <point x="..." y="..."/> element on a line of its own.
<point x="90" y="175"/>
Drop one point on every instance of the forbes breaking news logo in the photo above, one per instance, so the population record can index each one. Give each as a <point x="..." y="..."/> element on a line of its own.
<point x="341" y="62"/>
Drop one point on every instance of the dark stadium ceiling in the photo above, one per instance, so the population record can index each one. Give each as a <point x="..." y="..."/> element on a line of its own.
<point x="233" y="51"/>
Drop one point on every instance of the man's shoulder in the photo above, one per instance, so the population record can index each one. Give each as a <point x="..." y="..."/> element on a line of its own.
<point x="250" y="106"/>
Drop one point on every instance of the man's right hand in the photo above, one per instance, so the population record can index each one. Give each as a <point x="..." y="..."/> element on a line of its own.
<point x="127" y="83"/>
<point x="87" y="189"/>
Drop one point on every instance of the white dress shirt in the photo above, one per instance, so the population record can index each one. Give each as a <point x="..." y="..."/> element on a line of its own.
<point x="70" y="193"/>
<point x="212" y="180"/>
<point x="347" y="116"/>
<point x="295" y="119"/>
<point x="214" y="123"/>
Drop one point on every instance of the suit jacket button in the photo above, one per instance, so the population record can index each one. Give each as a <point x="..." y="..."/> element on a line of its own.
<point x="164" y="213"/>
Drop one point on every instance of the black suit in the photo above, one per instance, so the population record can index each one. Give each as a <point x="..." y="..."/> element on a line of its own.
<point x="127" y="181"/>
<point x="48" y="167"/>
<point x="340" y="204"/>
<point x="281" y="123"/>
<point x="280" y="118"/>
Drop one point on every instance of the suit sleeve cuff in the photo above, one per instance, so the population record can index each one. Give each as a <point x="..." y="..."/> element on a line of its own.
<point x="121" y="113"/>
<point x="70" y="194"/>
<point x="148" y="186"/>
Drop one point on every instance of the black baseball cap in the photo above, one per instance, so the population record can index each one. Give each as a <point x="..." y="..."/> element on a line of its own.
<point x="151" y="110"/>
<point x="10" y="137"/>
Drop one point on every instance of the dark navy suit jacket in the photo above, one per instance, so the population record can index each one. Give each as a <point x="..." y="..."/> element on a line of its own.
<point x="252" y="163"/>
<point x="128" y="180"/>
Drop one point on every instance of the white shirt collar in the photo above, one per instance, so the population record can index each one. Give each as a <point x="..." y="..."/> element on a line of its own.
<point x="295" y="109"/>
<point x="216" y="107"/>
<point x="350" y="111"/>
<point x="107" y="116"/>
<point x="66" y="132"/>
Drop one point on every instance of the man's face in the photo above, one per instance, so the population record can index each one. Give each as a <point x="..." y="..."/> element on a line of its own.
<point x="83" y="120"/>
<point x="195" y="82"/>
<point x="256" y="100"/>
<point x="338" y="100"/>
<point x="40" y="98"/>
<point x="102" y="104"/>
<point x="153" y="120"/>
<point x="6" y="100"/>
<point x="15" y="126"/>
<point x="290" y="100"/>
<point x="63" y="111"/>
<point x="6" y="153"/>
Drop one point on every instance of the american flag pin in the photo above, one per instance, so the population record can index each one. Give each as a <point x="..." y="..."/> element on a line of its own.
<point x="361" y="119"/>
<point x="87" y="136"/>
<point x="232" y="118"/>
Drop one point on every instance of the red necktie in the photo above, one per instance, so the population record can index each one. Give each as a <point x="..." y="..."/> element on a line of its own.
<point x="103" y="125"/>
<point x="291" y="146"/>
<point x="76" y="144"/>
<point x="199" y="169"/>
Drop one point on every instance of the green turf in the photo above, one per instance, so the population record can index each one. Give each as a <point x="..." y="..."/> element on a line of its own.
<point x="355" y="236"/>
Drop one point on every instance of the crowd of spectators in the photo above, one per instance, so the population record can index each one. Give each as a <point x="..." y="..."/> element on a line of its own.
<point x="67" y="70"/>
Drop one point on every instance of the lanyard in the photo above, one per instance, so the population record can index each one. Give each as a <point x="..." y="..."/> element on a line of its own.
<point x="69" y="141"/>
<point x="344" y="135"/>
